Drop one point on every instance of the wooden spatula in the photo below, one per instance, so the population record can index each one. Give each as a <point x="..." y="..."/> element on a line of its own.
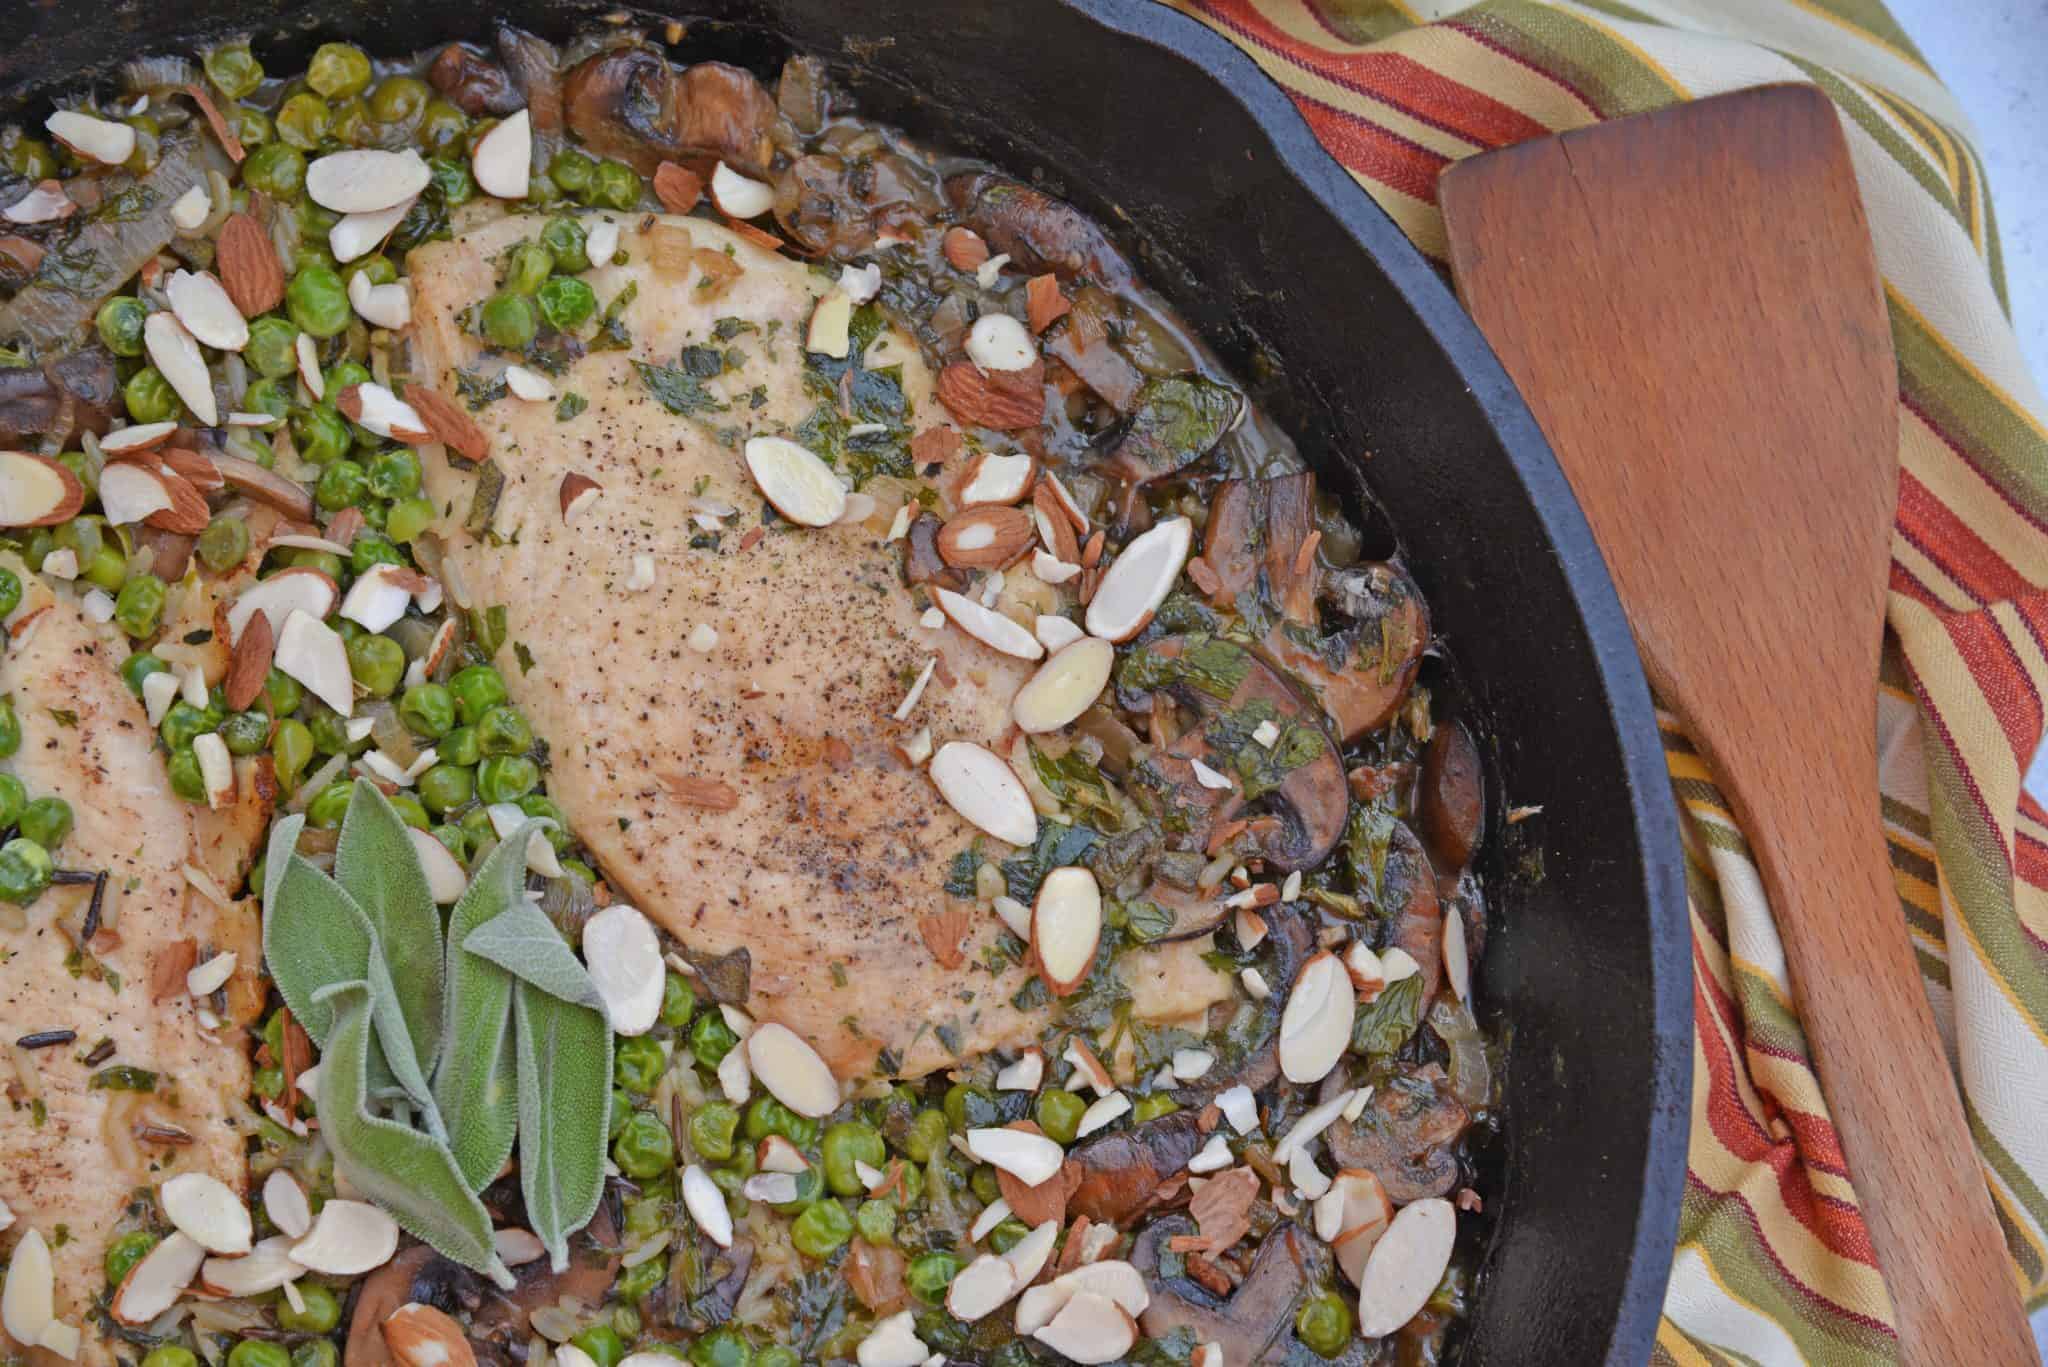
<point x="1689" y="302"/>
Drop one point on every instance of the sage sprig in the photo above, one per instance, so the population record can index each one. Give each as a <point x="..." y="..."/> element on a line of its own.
<point x="417" y="1016"/>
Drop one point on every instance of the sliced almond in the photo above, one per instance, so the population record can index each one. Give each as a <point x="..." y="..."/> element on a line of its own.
<point x="446" y="881"/>
<point x="299" y="588"/>
<point x="284" y="1201"/>
<point x="677" y="187"/>
<point x="348" y="1239"/>
<point x="313" y="653"/>
<point x="249" y="269"/>
<point x="153" y="1285"/>
<point x="1363" y="1214"/>
<point x="601" y="242"/>
<point x="981" y="1287"/>
<point x="1138" y="580"/>
<point x="706" y="1204"/>
<point x="528" y="385"/>
<point x="1367" y="977"/>
<point x="775" y="1188"/>
<point x="980" y="785"/>
<point x="985" y="537"/>
<point x="28" y="1305"/>
<point x="1056" y="633"/>
<point x="203" y="980"/>
<point x="266" y="1267"/>
<point x="383" y="412"/>
<point x="1066" y="927"/>
<point x="380" y="596"/>
<point x="159" y="691"/>
<point x="207" y="1211"/>
<point x="1025" y="1075"/>
<point x="993" y="1214"/>
<point x="1112" y="1279"/>
<point x="203" y="306"/>
<point x="1405" y="1266"/>
<point x="739" y="196"/>
<point x="800" y="485"/>
<point x="175" y="354"/>
<point x="421" y="1336"/>
<point x="1088" y="1070"/>
<point x="1457" y="964"/>
<point x="364" y="180"/>
<point x="130" y="492"/>
<point x="518" y="1247"/>
<point x="1052" y="570"/>
<point x="306" y="352"/>
<point x="996" y="478"/>
<point x="1102" y="1112"/>
<point x="578" y="492"/>
<point x="45" y="203"/>
<point x="1315" y="1026"/>
<point x="1090" y="1329"/>
<point x="999" y="342"/>
<point x="1030" y="1158"/>
<point x="1398" y="963"/>
<point x="141" y="437"/>
<point x="988" y="626"/>
<point x="355" y="235"/>
<point x="792" y="1071"/>
<point x="385" y="306"/>
<point x="624" y="958"/>
<point x="1065" y="686"/>
<point x="503" y="163"/>
<point x="1029" y="1255"/>
<point x="831" y="319"/>
<point x="188" y="513"/>
<point x="101" y="140"/>
<point x="893" y="1343"/>
<point x="776" y="1154"/>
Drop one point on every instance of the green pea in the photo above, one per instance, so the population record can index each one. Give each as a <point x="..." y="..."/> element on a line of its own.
<point x="10" y="591"/>
<point x="875" y="1221"/>
<point x="1324" y="1324"/>
<point x="326" y="562"/>
<point x="506" y="778"/>
<point x="30" y="158"/>
<point x="315" y="1352"/>
<point x="10" y="729"/>
<point x="330" y="805"/>
<point x="615" y="185"/>
<point x="339" y="70"/>
<point x="378" y="664"/>
<point x="571" y="171"/>
<point x="1007" y="1234"/>
<point x="182" y="724"/>
<point x="644" y="1147"/>
<point x="108" y="568"/>
<point x="640" y="1279"/>
<point x="150" y="398"/>
<point x="969" y="1107"/>
<point x="321" y="434"/>
<point x="272" y="397"/>
<point x="441" y="130"/>
<point x="125" y="1252"/>
<point x="930" y="1274"/>
<point x="321" y="1313"/>
<point x="566" y="302"/>
<point x="277" y="169"/>
<point x="170" y="1355"/>
<point x="530" y="265"/>
<point x="13" y="799"/>
<point x="926" y="1136"/>
<point x="119" y="324"/>
<point x="302" y="121"/>
<point x="272" y="347"/>
<point x="380" y="269"/>
<point x="342" y="484"/>
<point x="282" y="693"/>
<point x="399" y="99"/>
<point x="25" y="869"/>
<point x="291" y="750"/>
<point x="477" y="690"/>
<point x="459" y="747"/>
<point x="371" y="549"/>
<point x="84" y="535"/>
<point x="138" y="667"/>
<point x="711" y="1130"/>
<point x="678" y="1001"/>
<point x="1152" y="1107"/>
<point x="345" y="373"/>
<point x="139" y="609"/>
<point x="766" y="1116"/>
<point x="245" y="733"/>
<point x="777" y="1356"/>
<point x="427" y="709"/>
<point x="330" y="732"/>
<point x="251" y="127"/>
<point x="234" y="73"/>
<point x="622" y="1105"/>
<point x="602" y="1344"/>
<point x="408" y="518"/>
<point x="1059" y="1113"/>
<point x="258" y="1353"/>
<point x="503" y="731"/>
<point x="710" y="1040"/>
<point x="318" y="301"/>
<point x="476" y="823"/>
<point x="224" y="544"/>
<point x="453" y="840"/>
<point x="446" y="788"/>
<point x="823" y="1227"/>
<point x="982" y="1182"/>
<point x="846" y="1144"/>
<point x="510" y="321"/>
<point x="638" y="1062"/>
<point x="722" y="1347"/>
<point x="564" y="238"/>
<point x="394" y="473"/>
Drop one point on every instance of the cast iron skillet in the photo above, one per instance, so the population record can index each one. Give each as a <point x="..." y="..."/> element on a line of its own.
<point x="1175" y="140"/>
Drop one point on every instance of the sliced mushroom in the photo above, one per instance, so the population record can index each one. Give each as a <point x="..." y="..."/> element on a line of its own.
<point x="1121" y="1173"/>
<point x="34" y="402"/>
<point x="534" y="67"/>
<point x="1038" y="232"/>
<point x="1452" y="801"/>
<point x="1407" y="894"/>
<point x="631" y="104"/>
<point x="1292" y="938"/>
<point x="1407" y="1136"/>
<point x="1179" y="419"/>
<point x="922" y="563"/>
<point x="1251" y="1324"/>
<point x="473" y="82"/>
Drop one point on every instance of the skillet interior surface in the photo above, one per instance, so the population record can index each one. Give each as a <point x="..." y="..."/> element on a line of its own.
<point x="1195" y="161"/>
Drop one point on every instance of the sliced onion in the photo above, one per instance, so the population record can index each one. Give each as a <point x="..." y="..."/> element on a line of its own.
<point x="1471" y="1072"/>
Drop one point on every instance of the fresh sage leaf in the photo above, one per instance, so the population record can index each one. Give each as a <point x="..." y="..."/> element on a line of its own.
<point x="524" y="942"/>
<point x="476" y="1083"/>
<point x="411" y="1175"/>
<point x="314" y="934"/>
<point x="565" y="1086"/>
<point x="377" y="865"/>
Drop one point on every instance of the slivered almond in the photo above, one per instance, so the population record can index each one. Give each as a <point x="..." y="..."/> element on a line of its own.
<point x="421" y="1336"/>
<point x="985" y="537"/>
<point x="306" y="352"/>
<point x="1066" y="926"/>
<point x="204" y="306"/>
<point x="942" y="932"/>
<point x="964" y="249"/>
<point x="230" y="144"/>
<point x="1044" y="303"/>
<point x="578" y="492"/>
<point x="1064" y="686"/>
<point x="249" y="667"/>
<point x="249" y="269"/>
<point x="384" y="413"/>
<point x="677" y="187"/>
<point x="802" y="487"/>
<point x="1054" y="528"/>
<point x="196" y="468"/>
<point x="993" y="478"/>
<point x="130" y="440"/>
<point x="449" y="424"/>
<point x="503" y="161"/>
<point x="1001" y="400"/>
<point x="1138" y="580"/>
<point x="692" y="791"/>
<point x="980" y="785"/>
<point x="993" y="629"/>
<point x="37" y="491"/>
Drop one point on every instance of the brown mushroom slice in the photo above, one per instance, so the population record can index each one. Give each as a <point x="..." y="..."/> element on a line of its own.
<point x="922" y="563"/>
<point x="1407" y="893"/>
<point x="1036" y="231"/>
<point x="1361" y="673"/>
<point x="1176" y="421"/>
<point x="1292" y="938"/>
<point x="1120" y="1173"/>
<point x="629" y="103"/>
<point x="1225" y="683"/>
<point x="1194" y="911"/>
<point x="381" y="1293"/>
<point x="534" y="68"/>
<point x="1407" y="1136"/>
<point x="1290" y="521"/>
<point x="1452" y="800"/>
<point x="1252" y="1323"/>
<point x="473" y="82"/>
<point x="1234" y="534"/>
<point x="35" y="401"/>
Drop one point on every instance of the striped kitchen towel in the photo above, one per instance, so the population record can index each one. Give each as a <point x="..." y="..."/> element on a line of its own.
<point x="1773" y="1262"/>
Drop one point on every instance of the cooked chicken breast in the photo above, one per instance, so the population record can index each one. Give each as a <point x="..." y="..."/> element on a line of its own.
<point x="768" y="659"/>
<point x="69" y="1155"/>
